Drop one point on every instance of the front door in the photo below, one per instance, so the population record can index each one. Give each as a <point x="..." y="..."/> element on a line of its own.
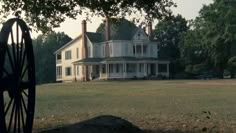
<point x="153" y="69"/>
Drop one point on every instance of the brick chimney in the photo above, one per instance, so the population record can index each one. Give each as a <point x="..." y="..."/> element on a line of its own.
<point x="84" y="49"/>
<point x="84" y="41"/>
<point x="150" y="30"/>
<point x="107" y="34"/>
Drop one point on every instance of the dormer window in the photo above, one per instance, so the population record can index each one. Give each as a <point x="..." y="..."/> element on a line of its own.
<point x="139" y="35"/>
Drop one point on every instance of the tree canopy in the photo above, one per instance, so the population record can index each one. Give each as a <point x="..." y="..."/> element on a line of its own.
<point x="44" y="47"/>
<point x="46" y="14"/>
<point x="211" y="41"/>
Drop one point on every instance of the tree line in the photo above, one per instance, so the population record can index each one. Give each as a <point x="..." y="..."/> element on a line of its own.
<point x="203" y="46"/>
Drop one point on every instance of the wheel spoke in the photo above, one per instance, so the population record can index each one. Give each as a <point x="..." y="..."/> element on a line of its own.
<point x="6" y="72"/>
<point x="24" y="105"/>
<point x="16" y="115"/>
<point x="24" y="71"/>
<point x="8" y="107"/>
<point x="19" y="120"/>
<point x="25" y="94"/>
<point x="17" y="43"/>
<point x="11" y="117"/>
<point x="20" y="52"/>
<point x="10" y="59"/>
<point x="22" y="65"/>
<point x="22" y="116"/>
<point x="13" y="47"/>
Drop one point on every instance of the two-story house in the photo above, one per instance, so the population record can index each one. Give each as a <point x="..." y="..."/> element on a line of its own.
<point x="122" y="51"/>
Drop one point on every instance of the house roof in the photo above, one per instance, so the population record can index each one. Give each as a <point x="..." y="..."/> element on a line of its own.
<point x="88" y="61"/>
<point x="68" y="44"/>
<point x="122" y="30"/>
<point x="116" y="59"/>
<point x="94" y="37"/>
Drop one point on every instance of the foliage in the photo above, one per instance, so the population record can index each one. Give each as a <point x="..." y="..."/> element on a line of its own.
<point x="44" y="47"/>
<point x="232" y="66"/>
<point x="168" y="33"/>
<point x="211" y="39"/>
<point x="46" y="14"/>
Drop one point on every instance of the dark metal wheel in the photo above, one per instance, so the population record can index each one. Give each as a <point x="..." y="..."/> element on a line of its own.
<point x="17" y="78"/>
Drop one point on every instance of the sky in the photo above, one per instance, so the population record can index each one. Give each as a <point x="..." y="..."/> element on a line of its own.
<point x="187" y="8"/>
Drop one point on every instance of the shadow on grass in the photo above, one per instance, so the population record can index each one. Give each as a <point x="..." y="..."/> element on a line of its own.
<point x="166" y="131"/>
<point x="107" y="124"/>
<point x="74" y="129"/>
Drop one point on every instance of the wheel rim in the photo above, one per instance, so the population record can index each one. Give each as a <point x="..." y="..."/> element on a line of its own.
<point x="17" y="90"/>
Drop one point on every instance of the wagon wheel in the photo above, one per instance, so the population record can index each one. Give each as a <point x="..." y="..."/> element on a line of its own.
<point x="17" y="78"/>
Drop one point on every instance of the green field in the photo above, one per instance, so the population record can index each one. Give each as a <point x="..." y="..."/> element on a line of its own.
<point x="165" y="106"/>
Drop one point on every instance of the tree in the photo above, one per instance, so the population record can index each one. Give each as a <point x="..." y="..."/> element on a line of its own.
<point x="168" y="34"/>
<point x="220" y="20"/>
<point x="211" y="40"/>
<point x="44" y="47"/>
<point x="46" y="14"/>
<point x="232" y="66"/>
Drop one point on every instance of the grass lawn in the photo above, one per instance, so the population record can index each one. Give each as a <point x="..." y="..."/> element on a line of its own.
<point x="165" y="106"/>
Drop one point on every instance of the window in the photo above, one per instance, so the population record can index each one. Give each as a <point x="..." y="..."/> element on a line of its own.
<point x="77" y="70"/>
<point x="139" y="36"/>
<point x="110" y="49"/>
<point x="68" y="71"/>
<point x="144" y="49"/>
<point x="77" y="53"/>
<point x="58" y="56"/>
<point x="162" y="67"/>
<point x="68" y="55"/>
<point x="104" y="50"/>
<point x="59" y="72"/>
<point x="89" y="52"/>
<point x="139" y="49"/>
<point x="134" y="49"/>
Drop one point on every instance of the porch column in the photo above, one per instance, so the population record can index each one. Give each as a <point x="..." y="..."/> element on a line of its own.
<point x="107" y="70"/>
<point x="157" y="69"/>
<point x="145" y="69"/>
<point x="75" y="71"/>
<point x="124" y="70"/>
<point x="168" y="71"/>
<point x="100" y="71"/>
<point x="137" y="69"/>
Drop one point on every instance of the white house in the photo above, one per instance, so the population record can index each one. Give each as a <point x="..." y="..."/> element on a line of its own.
<point x="121" y="52"/>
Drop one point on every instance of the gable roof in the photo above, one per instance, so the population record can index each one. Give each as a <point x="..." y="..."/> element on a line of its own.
<point x="68" y="44"/>
<point x="122" y="30"/>
<point x="94" y="37"/>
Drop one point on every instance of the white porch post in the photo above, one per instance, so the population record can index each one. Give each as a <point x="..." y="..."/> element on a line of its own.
<point x="168" y="69"/>
<point x="124" y="70"/>
<point x="107" y="70"/>
<point x="75" y="72"/>
<point x="145" y="69"/>
<point x="137" y="69"/>
<point x="157" y="69"/>
<point x="100" y="71"/>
